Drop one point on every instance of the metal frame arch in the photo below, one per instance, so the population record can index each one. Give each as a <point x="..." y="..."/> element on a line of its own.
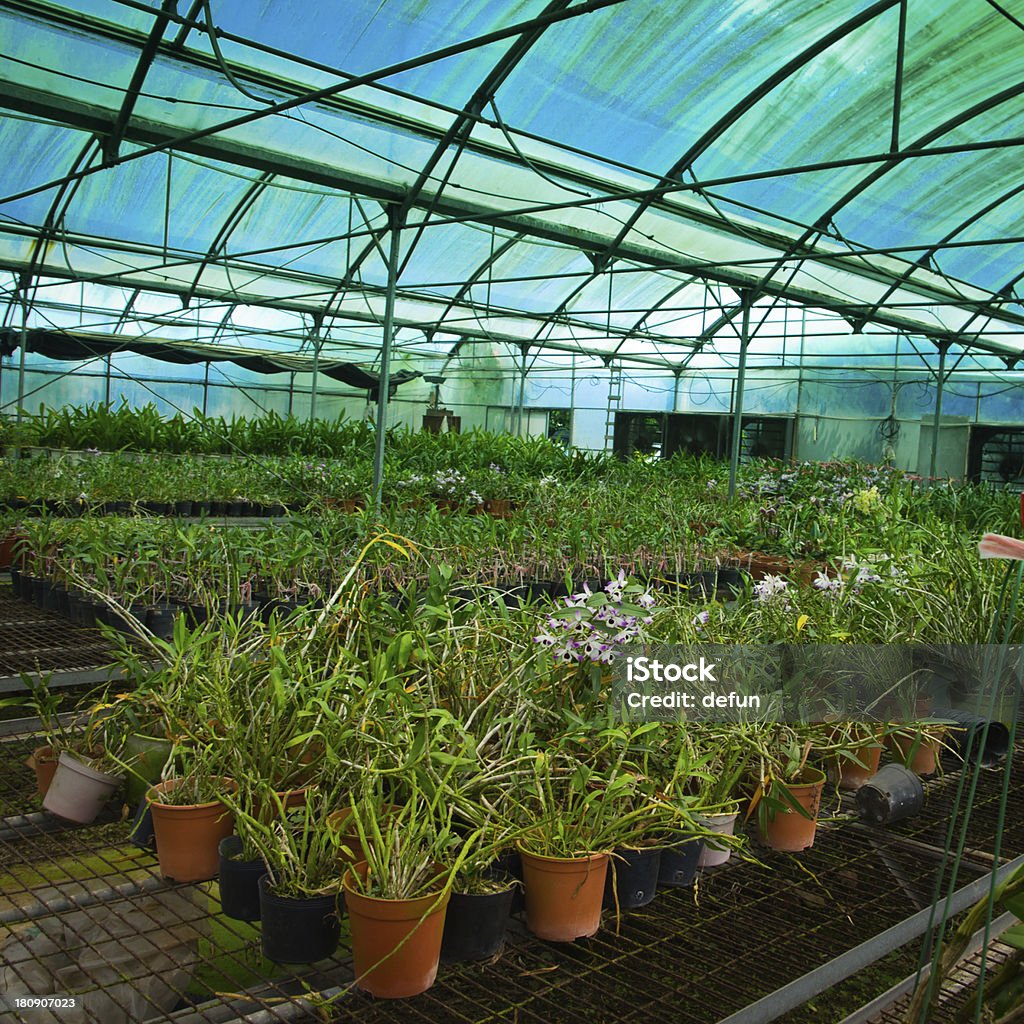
<point x="58" y="207"/>
<point x="112" y="142"/>
<point x="734" y="114"/>
<point x="462" y="127"/>
<point x="930" y="250"/>
<point x="234" y="217"/>
<point x="760" y="288"/>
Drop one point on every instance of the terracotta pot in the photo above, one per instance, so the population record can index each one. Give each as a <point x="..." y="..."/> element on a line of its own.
<point x="349" y="835"/>
<point x="564" y="895"/>
<point x="43" y="761"/>
<point x="7" y="544"/>
<point x="79" y="792"/>
<point x="188" y="837"/>
<point x="715" y="853"/>
<point x="396" y="944"/>
<point x="761" y="565"/>
<point x="500" y="508"/>
<point x="290" y="799"/>
<point x="786" y="829"/>
<point x="851" y="776"/>
<point x="919" y="753"/>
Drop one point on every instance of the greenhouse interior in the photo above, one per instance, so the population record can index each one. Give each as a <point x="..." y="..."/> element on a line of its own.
<point x="511" y="511"/>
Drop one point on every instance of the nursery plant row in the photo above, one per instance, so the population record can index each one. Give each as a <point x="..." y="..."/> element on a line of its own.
<point x="420" y="711"/>
<point x="415" y="768"/>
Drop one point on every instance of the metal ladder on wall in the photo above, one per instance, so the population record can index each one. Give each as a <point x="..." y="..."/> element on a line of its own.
<point x="614" y="399"/>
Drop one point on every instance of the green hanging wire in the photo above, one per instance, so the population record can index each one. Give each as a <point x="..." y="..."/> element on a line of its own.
<point x="1002" y="624"/>
<point x="1004" y="797"/>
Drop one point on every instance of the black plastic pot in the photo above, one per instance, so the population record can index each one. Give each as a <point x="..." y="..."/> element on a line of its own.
<point x="515" y="593"/>
<point x="160" y="620"/>
<point x="40" y="589"/>
<point x="634" y="876"/>
<point x="511" y="864"/>
<point x="196" y="614"/>
<point x="703" y="584"/>
<point x="281" y="607"/>
<point x="142" y="834"/>
<point x="728" y="583"/>
<point x="298" y="931"/>
<point x="474" y="925"/>
<point x="966" y="734"/>
<point x="890" y="795"/>
<point x="678" y="867"/>
<point x="239" y="881"/>
<point x="77" y="608"/>
<point x="55" y="599"/>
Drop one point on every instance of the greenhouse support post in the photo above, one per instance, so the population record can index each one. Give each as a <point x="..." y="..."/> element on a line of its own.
<point x="315" y="338"/>
<point x="21" y="360"/>
<point x="384" y="380"/>
<point x="940" y="380"/>
<point x="522" y="392"/>
<point x="737" y="413"/>
<point x="572" y="400"/>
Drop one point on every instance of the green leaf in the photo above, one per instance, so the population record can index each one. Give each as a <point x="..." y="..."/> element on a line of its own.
<point x="1014" y="936"/>
<point x="1015" y="904"/>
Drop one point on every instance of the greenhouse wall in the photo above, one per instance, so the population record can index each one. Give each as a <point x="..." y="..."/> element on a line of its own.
<point x="839" y="413"/>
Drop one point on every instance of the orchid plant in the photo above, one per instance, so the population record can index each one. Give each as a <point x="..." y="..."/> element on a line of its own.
<point x="592" y="627"/>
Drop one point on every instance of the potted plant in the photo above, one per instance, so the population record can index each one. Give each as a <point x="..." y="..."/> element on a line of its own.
<point x="58" y="737"/>
<point x="299" y="888"/>
<point x="481" y="901"/>
<point x="397" y="898"/>
<point x="82" y="786"/>
<point x="788" y="791"/>
<point x="573" y="817"/>
<point x="725" y="755"/>
<point x="190" y="815"/>
<point x="239" y="870"/>
<point x="81" y="761"/>
<point x="853" y="751"/>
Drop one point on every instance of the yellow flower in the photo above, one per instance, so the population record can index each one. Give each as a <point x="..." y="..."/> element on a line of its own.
<point x="867" y="499"/>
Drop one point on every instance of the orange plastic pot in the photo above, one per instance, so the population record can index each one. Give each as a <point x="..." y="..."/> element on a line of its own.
<point x="290" y="799"/>
<point x="43" y="761"/>
<point x="8" y="542"/>
<point x="396" y="944"/>
<point x="351" y="851"/>
<point x="919" y="753"/>
<point x="786" y="829"/>
<point x="852" y="776"/>
<point x="188" y="836"/>
<point x="564" y="895"/>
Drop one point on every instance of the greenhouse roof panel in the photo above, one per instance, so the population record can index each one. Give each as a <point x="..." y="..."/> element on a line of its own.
<point x="809" y="186"/>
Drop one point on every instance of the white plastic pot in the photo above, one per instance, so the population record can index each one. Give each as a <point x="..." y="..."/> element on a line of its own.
<point x="715" y="853"/>
<point x="78" y="792"/>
